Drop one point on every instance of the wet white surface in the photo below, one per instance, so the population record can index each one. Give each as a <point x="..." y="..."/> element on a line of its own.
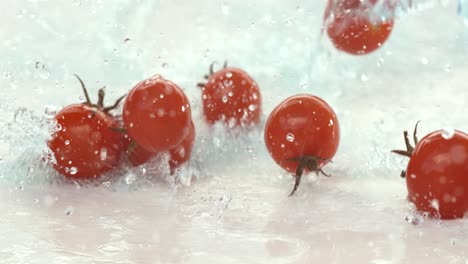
<point x="238" y="210"/>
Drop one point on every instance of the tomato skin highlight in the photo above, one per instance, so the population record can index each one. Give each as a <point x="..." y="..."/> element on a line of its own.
<point x="437" y="175"/>
<point x="85" y="146"/>
<point x="356" y="28"/>
<point x="157" y="114"/>
<point x="181" y="153"/>
<point x="231" y="95"/>
<point x="302" y="125"/>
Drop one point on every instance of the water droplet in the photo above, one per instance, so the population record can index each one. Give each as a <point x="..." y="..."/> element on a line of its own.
<point x="183" y="108"/>
<point x="67" y="142"/>
<point x="73" y="170"/>
<point x="290" y="137"/>
<point x="424" y="61"/>
<point x="69" y="210"/>
<point x="252" y="107"/>
<point x="230" y="94"/>
<point x="225" y="99"/>
<point x="448" y="133"/>
<point x="228" y="75"/>
<point x="413" y="176"/>
<point x="415" y="220"/>
<point x="50" y="111"/>
<point x="225" y="9"/>
<point x="130" y="178"/>
<point x="250" y="149"/>
<point x="435" y="204"/>
<point x="231" y="122"/>
<point x="282" y="146"/>
<point x="103" y="154"/>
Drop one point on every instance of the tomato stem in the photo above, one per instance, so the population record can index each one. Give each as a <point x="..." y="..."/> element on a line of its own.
<point x="306" y="162"/>
<point x="115" y="105"/>
<point x="85" y="91"/>
<point x="409" y="149"/>
<point x="100" y="102"/>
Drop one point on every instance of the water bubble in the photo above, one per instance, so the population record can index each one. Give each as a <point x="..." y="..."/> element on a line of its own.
<point x="228" y="75"/>
<point x="448" y="133"/>
<point x="230" y="94"/>
<point x="250" y="149"/>
<point x="106" y="184"/>
<point x="165" y="65"/>
<point x="103" y="154"/>
<point x="183" y="108"/>
<point x="127" y="41"/>
<point x="290" y="137"/>
<point x="73" y="170"/>
<point x="435" y="204"/>
<point x="252" y="107"/>
<point x="67" y="142"/>
<point x="282" y="146"/>
<point x="130" y="178"/>
<point x="448" y="67"/>
<point x="225" y="99"/>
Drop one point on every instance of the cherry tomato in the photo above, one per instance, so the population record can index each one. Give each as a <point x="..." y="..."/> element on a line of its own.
<point x="135" y="153"/>
<point x="84" y="144"/>
<point x="232" y="96"/>
<point x="157" y="114"/>
<point x="302" y="134"/>
<point x="181" y="153"/>
<point x="437" y="173"/>
<point x="357" y="27"/>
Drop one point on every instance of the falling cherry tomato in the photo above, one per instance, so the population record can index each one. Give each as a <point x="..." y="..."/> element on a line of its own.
<point x="358" y="27"/>
<point x="230" y="95"/>
<point x="84" y="144"/>
<point x="302" y="135"/>
<point x="437" y="173"/>
<point x="157" y="114"/>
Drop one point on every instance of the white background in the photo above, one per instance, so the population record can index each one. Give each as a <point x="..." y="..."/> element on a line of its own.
<point x="238" y="210"/>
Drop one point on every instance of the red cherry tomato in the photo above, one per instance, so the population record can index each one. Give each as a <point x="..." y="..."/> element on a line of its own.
<point x="302" y="134"/>
<point x="356" y="27"/>
<point x="135" y="153"/>
<point x="232" y="96"/>
<point x="437" y="174"/>
<point x="85" y="146"/>
<point x="181" y="153"/>
<point x="157" y="114"/>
